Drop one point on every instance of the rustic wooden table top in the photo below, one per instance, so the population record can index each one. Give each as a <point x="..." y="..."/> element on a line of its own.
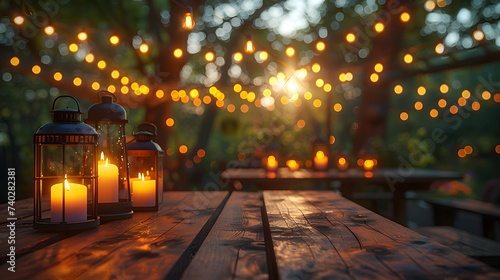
<point x="238" y="235"/>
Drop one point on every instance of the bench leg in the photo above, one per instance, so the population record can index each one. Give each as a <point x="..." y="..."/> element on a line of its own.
<point x="443" y="216"/>
<point x="488" y="227"/>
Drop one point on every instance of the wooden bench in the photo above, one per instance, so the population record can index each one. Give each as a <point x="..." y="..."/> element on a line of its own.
<point x="480" y="248"/>
<point x="446" y="209"/>
<point x="240" y="235"/>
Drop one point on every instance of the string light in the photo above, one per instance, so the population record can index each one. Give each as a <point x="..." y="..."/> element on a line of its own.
<point x="14" y="61"/>
<point x="49" y="30"/>
<point x="36" y="69"/>
<point x="82" y="36"/>
<point x="379" y="27"/>
<point x="114" y="40"/>
<point x="320" y="46"/>
<point x="178" y="53"/>
<point x="19" y="20"/>
<point x="408" y="58"/>
<point x="143" y="48"/>
<point x="404" y="17"/>
<point x="249" y="47"/>
<point x="189" y="22"/>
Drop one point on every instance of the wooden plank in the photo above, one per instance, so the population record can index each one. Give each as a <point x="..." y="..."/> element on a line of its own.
<point x="465" y="204"/>
<point x="234" y="248"/>
<point x="148" y="245"/>
<point x="483" y="249"/>
<point x="23" y="209"/>
<point x="323" y="235"/>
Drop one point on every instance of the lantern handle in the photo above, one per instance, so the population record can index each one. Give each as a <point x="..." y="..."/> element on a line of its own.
<point x="107" y="93"/>
<point x="149" y="124"/>
<point x="62" y="96"/>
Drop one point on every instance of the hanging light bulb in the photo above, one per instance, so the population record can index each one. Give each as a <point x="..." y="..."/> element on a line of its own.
<point x="249" y="47"/>
<point x="188" y="19"/>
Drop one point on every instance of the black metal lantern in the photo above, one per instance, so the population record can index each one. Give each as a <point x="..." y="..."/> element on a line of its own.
<point x="145" y="158"/>
<point x="109" y="120"/>
<point x="65" y="172"/>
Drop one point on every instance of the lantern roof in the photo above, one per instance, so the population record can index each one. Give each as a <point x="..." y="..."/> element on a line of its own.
<point x="107" y="110"/>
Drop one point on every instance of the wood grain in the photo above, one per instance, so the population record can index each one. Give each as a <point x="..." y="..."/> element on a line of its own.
<point x="235" y="247"/>
<point x="146" y="246"/>
<point x="319" y="234"/>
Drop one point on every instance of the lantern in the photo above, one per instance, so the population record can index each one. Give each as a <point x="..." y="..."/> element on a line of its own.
<point x="367" y="160"/>
<point x="146" y="161"/>
<point x="320" y="155"/>
<point x="270" y="158"/>
<point x="293" y="163"/>
<point x="65" y="172"/>
<point x="342" y="161"/>
<point x="109" y="119"/>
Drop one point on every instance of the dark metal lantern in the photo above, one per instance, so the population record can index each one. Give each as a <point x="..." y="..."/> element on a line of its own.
<point x="109" y="120"/>
<point x="65" y="172"/>
<point x="146" y="162"/>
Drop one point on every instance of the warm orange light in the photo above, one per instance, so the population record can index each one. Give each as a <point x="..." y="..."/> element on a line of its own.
<point x="486" y="95"/>
<point x="170" y="122"/>
<point x="320" y="46"/>
<point x="189" y="22"/>
<point x="95" y="86"/>
<point x="497" y="149"/>
<point x="178" y="53"/>
<point x="378" y="67"/>
<point x="368" y="164"/>
<point x="337" y="107"/>
<point x="14" y="61"/>
<point x="478" y="35"/>
<point x="374" y="77"/>
<point x="292" y="164"/>
<point x="263" y="55"/>
<point x="249" y="47"/>
<point x="379" y="27"/>
<point x="496" y="97"/>
<point x="408" y="58"/>
<point x="418" y="105"/>
<point x="49" y="30"/>
<point x="114" y="40"/>
<point x="442" y="103"/>
<point x="160" y="93"/>
<point x="403" y="116"/>
<point x="36" y="69"/>
<point x="290" y="51"/>
<point x="58" y="76"/>
<point x="143" y="48"/>
<point x="439" y="49"/>
<point x="421" y="90"/>
<point x="209" y="56"/>
<point x="101" y="64"/>
<point x="115" y="74"/>
<point x="398" y="89"/>
<point x="19" y="20"/>
<point x="82" y="36"/>
<point x="461" y="153"/>
<point x="237" y="56"/>
<point x="73" y="47"/>
<point x="434" y="113"/>
<point x="444" y="88"/>
<point x="476" y="106"/>
<point x="404" y="17"/>
<point x="77" y="81"/>
<point x="183" y="149"/>
<point x="316" y="67"/>
<point x="466" y="94"/>
<point x="454" y="109"/>
<point x="350" y="37"/>
<point x="89" y="58"/>
<point x="301" y="123"/>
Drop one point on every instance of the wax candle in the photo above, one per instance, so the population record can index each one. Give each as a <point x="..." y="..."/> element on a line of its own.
<point x="108" y="181"/>
<point x="75" y="202"/>
<point x="272" y="163"/>
<point x="320" y="161"/>
<point x="144" y="192"/>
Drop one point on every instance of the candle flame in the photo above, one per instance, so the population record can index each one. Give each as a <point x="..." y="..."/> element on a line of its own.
<point x="320" y="154"/>
<point x="249" y="46"/>
<point x="271" y="159"/>
<point x="142" y="176"/>
<point x="102" y="155"/>
<point x="66" y="183"/>
<point x="106" y="161"/>
<point x="188" y="21"/>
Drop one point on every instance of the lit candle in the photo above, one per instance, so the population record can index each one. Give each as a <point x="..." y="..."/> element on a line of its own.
<point x="75" y="202"/>
<point x="108" y="181"/>
<point x="144" y="194"/>
<point x="320" y="161"/>
<point x="292" y="164"/>
<point x="272" y="163"/>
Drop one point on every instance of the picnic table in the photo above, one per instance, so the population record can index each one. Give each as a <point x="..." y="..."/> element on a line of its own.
<point x="238" y="235"/>
<point x="398" y="181"/>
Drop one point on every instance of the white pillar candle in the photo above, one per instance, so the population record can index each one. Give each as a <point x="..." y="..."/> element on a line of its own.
<point x="75" y="202"/>
<point x="144" y="194"/>
<point x="107" y="181"/>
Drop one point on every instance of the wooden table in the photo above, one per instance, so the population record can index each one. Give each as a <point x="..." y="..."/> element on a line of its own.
<point x="397" y="180"/>
<point x="239" y="235"/>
